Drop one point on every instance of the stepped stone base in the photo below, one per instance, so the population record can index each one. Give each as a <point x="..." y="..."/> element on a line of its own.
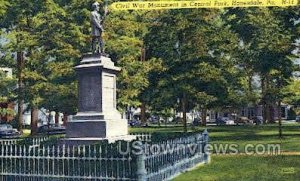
<point x="95" y="127"/>
<point x="98" y="118"/>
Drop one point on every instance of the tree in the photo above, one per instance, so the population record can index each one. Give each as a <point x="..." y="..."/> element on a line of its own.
<point x="267" y="44"/>
<point x="38" y="47"/>
<point x="292" y="93"/>
<point x="17" y="24"/>
<point x="193" y="55"/>
<point x="125" y="39"/>
<point x="3" y="6"/>
<point x="64" y="43"/>
<point x="7" y="86"/>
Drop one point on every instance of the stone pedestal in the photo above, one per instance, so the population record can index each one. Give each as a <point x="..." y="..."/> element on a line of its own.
<point x="98" y="118"/>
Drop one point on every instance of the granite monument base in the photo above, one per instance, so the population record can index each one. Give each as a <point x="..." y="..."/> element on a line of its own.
<point x="90" y="129"/>
<point x="98" y="118"/>
<point x="92" y="126"/>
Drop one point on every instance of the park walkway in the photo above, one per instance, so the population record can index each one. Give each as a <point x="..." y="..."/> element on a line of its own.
<point x="284" y="153"/>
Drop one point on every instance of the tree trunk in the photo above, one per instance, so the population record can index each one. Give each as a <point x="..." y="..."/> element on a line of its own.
<point x="159" y="125"/>
<point x="279" y="120"/>
<point x="49" y="118"/>
<point x="128" y="113"/>
<point x="268" y="113"/>
<point x="143" y="113"/>
<point x="269" y="117"/>
<point x="264" y="113"/>
<point x="184" y="113"/>
<point x="265" y="99"/>
<point x="143" y="106"/>
<point x="56" y="118"/>
<point x="34" y="120"/>
<point x="203" y="116"/>
<point x="20" y="64"/>
<point x="250" y="83"/>
<point x="272" y="112"/>
<point x="268" y="110"/>
<point x="65" y="119"/>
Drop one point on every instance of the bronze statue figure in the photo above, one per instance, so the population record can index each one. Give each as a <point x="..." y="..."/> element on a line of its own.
<point x="97" y="28"/>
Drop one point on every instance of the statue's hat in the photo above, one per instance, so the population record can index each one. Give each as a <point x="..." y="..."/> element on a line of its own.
<point x="95" y="4"/>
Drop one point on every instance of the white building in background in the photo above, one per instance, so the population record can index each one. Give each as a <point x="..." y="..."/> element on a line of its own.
<point x="44" y="118"/>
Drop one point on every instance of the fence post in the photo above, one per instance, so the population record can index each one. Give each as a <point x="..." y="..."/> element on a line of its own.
<point x="141" y="167"/>
<point x="206" y="151"/>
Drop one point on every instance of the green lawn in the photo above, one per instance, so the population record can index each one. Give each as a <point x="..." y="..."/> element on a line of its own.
<point x="245" y="167"/>
<point x="242" y="135"/>
<point x="258" y="135"/>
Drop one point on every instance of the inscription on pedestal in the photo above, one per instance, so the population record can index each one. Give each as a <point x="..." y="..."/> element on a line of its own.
<point x="97" y="116"/>
<point x="90" y="96"/>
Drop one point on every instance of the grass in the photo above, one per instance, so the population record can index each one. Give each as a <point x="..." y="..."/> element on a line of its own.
<point x="258" y="135"/>
<point x="243" y="135"/>
<point x="246" y="168"/>
<point x="26" y="133"/>
<point x="243" y="167"/>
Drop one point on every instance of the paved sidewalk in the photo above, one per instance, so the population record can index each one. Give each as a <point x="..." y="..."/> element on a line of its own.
<point x="281" y="153"/>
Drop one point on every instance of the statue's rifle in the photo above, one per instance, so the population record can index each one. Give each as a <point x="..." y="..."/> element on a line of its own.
<point x="105" y="11"/>
<point x="105" y="7"/>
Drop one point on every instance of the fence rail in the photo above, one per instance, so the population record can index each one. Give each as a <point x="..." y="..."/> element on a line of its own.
<point x="142" y="136"/>
<point x="171" y="157"/>
<point x="156" y="161"/>
<point x="95" y="162"/>
<point x="9" y="142"/>
<point x="31" y="141"/>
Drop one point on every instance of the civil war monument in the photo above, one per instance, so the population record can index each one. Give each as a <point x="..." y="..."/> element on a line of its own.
<point x="98" y="117"/>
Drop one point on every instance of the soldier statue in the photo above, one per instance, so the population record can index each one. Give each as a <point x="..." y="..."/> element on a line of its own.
<point x="97" y="28"/>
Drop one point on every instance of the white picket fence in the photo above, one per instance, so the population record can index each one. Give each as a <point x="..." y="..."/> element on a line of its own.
<point x="102" y="161"/>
